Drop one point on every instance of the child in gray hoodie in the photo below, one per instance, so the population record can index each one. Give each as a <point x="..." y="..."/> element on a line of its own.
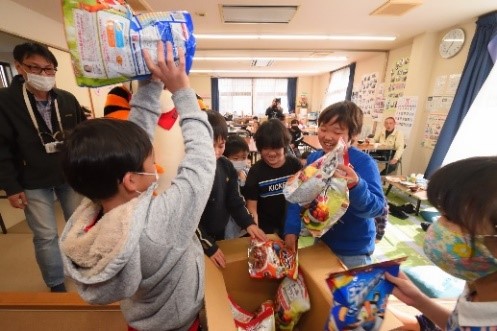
<point x="124" y="243"/>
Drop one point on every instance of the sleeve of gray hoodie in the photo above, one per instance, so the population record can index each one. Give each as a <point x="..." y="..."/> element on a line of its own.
<point x="145" y="106"/>
<point x="175" y="213"/>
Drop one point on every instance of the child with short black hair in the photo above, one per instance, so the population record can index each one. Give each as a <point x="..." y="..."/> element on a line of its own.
<point x="123" y="243"/>
<point x="267" y="177"/>
<point x="237" y="151"/>
<point x="225" y="199"/>
<point x="297" y="137"/>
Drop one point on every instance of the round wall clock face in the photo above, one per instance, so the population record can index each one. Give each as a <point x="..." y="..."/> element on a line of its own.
<point x="451" y="43"/>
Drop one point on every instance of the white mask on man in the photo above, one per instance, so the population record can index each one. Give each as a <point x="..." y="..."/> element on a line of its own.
<point x="41" y="83"/>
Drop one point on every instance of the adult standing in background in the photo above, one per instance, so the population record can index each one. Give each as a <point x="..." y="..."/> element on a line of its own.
<point x="275" y="111"/>
<point x="35" y="117"/>
<point x="390" y="137"/>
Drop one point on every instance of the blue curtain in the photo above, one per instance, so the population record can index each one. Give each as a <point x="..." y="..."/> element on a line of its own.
<point x="475" y="72"/>
<point x="215" y="94"/>
<point x="348" y="93"/>
<point x="292" y="94"/>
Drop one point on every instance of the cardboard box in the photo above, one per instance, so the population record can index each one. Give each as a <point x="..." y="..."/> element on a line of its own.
<point x="315" y="262"/>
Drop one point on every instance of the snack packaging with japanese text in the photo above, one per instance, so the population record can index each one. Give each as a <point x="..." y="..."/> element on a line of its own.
<point x="360" y="296"/>
<point x="305" y="185"/>
<point x="292" y="300"/>
<point x="271" y="259"/>
<point x="106" y="39"/>
<point x="262" y="320"/>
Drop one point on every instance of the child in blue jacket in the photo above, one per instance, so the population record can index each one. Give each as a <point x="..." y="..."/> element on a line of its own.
<point x="352" y="238"/>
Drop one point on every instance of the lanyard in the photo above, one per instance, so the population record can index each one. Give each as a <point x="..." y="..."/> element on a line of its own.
<point x="32" y="115"/>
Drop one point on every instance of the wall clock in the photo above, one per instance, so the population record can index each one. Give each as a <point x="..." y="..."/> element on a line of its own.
<point x="451" y="43"/>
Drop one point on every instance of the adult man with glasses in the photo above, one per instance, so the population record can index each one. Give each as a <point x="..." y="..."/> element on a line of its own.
<point x="34" y="118"/>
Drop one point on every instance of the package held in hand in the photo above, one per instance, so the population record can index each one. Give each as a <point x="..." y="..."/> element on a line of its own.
<point x="305" y="185"/>
<point x="106" y="39"/>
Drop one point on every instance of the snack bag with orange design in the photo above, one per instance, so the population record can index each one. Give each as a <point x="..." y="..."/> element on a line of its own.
<point x="271" y="259"/>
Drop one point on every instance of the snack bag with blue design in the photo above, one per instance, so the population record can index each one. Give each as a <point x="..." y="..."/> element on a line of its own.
<point x="106" y="39"/>
<point x="360" y="296"/>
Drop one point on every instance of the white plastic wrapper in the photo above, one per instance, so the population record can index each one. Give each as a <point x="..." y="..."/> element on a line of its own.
<point x="305" y="185"/>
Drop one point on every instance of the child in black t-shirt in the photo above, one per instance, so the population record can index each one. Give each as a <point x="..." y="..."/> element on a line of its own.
<point x="267" y="177"/>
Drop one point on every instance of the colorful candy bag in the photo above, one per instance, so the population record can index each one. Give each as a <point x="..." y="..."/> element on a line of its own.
<point x="305" y="185"/>
<point x="106" y="39"/>
<point x="360" y="296"/>
<point x="271" y="259"/>
<point x="327" y="208"/>
<point x="262" y="320"/>
<point x="292" y="300"/>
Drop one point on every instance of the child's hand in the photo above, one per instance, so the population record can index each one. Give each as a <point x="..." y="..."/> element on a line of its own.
<point x="291" y="242"/>
<point x="219" y="259"/>
<point x="347" y="173"/>
<point x="242" y="176"/>
<point x="405" y="290"/>
<point x="255" y="232"/>
<point x="173" y="76"/>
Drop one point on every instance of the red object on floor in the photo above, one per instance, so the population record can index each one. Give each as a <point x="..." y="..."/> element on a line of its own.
<point x="195" y="326"/>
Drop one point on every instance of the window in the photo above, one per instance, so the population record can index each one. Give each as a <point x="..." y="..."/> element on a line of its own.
<point x="337" y="88"/>
<point x="247" y="96"/>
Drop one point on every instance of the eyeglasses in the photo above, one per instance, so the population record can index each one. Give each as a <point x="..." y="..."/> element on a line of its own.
<point x="38" y="70"/>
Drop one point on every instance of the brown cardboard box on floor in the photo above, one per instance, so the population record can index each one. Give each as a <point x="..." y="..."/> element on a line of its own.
<point x="315" y="262"/>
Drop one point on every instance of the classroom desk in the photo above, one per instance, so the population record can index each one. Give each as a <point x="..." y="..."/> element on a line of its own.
<point x="399" y="183"/>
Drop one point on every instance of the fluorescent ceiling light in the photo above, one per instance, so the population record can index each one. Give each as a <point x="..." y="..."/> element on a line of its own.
<point x="214" y="71"/>
<point x="293" y="37"/>
<point x="246" y="58"/>
<point x="257" y="13"/>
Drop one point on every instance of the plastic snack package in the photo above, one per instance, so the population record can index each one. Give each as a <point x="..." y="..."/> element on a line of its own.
<point x="306" y="184"/>
<point x="262" y="320"/>
<point x="292" y="300"/>
<point x="360" y="296"/>
<point x="106" y="39"/>
<point x="327" y="208"/>
<point x="271" y="259"/>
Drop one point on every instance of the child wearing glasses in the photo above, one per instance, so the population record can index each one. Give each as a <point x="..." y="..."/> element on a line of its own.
<point x="124" y="243"/>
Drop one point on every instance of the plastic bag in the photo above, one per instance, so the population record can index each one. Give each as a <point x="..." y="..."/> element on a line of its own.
<point x="271" y="259"/>
<point x="106" y="39"/>
<point x="305" y="185"/>
<point x="292" y="300"/>
<point x="262" y="320"/>
<point x="327" y="208"/>
<point x="360" y="296"/>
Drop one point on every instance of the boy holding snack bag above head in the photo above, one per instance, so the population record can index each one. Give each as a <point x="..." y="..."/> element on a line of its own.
<point x="124" y="243"/>
<point x="352" y="238"/>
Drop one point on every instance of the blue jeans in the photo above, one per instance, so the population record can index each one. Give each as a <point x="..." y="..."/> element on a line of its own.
<point x="40" y="215"/>
<point x="355" y="260"/>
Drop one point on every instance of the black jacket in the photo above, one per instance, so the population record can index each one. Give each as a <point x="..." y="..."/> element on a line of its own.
<point x="24" y="164"/>
<point x="225" y="200"/>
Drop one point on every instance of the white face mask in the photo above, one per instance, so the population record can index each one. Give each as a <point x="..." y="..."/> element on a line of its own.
<point x="239" y="165"/>
<point x="40" y="83"/>
<point x="154" y="184"/>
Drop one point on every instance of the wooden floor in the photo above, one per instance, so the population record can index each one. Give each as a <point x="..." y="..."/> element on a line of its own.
<point x="19" y="271"/>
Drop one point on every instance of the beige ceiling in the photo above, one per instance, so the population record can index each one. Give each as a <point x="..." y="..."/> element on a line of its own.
<point x="329" y="17"/>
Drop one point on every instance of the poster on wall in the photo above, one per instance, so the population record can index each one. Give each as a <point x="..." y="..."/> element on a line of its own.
<point x="396" y="86"/>
<point x="433" y="126"/>
<point x="364" y="94"/>
<point x="405" y="113"/>
<point x="452" y="84"/>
